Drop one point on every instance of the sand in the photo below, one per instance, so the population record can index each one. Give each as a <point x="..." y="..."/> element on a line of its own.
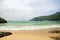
<point x="41" y="34"/>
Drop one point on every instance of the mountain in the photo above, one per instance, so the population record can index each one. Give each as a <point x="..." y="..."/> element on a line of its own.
<point x="53" y="17"/>
<point x="2" y="20"/>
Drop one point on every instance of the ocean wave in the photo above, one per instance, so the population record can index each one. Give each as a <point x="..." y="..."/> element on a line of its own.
<point x="27" y="27"/>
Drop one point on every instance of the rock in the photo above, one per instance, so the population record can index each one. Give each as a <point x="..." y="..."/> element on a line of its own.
<point x="2" y="20"/>
<point x="54" y="31"/>
<point x="3" y="34"/>
<point x="55" y="38"/>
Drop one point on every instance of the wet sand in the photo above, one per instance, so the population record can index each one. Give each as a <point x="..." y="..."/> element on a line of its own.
<point x="41" y="34"/>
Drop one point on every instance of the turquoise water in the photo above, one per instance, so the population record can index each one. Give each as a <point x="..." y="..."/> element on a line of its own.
<point x="29" y="24"/>
<point x="36" y="23"/>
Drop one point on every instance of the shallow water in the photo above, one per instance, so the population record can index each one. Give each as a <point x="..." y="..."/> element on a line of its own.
<point x="31" y="25"/>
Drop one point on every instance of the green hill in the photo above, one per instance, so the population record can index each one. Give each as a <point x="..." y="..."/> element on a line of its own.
<point x="53" y="17"/>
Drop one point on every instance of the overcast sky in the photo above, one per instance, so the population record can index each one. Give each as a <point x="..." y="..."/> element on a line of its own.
<point x="27" y="9"/>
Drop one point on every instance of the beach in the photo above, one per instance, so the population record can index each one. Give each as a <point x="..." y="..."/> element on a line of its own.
<point x="29" y="19"/>
<point x="39" y="34"/>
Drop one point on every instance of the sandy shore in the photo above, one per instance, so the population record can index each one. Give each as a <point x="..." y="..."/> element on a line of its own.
<point x="30" y="34"/>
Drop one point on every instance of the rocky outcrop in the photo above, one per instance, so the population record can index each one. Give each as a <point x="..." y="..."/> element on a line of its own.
<point x="3" y="34"/>
<point x="2" y="20"/>
<point x="54" y="31"/>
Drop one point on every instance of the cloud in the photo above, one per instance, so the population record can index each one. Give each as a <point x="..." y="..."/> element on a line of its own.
<point x="27" y="9"/>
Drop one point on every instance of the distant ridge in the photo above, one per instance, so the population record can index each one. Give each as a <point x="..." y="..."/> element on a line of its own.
<point x="53" y="17"/>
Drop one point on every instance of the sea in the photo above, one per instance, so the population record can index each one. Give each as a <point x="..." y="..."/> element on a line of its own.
<point x="29" y="25"/>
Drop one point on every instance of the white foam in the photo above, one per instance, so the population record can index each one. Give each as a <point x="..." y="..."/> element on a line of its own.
<point x="27" y="27"/>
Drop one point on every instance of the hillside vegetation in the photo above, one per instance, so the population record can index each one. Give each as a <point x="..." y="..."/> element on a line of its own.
<point x="53" y="17"/>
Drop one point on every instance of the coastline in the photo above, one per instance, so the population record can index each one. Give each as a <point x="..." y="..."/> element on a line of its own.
<point x="41" y="34"/>
<point x="29" y="27"/>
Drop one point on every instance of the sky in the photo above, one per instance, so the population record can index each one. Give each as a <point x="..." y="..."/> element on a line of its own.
<point x="24" y="10"/>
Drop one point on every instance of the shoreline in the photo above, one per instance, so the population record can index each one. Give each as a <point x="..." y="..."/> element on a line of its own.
<point x="41" y="34"/>
<point x="28" y="27"/>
